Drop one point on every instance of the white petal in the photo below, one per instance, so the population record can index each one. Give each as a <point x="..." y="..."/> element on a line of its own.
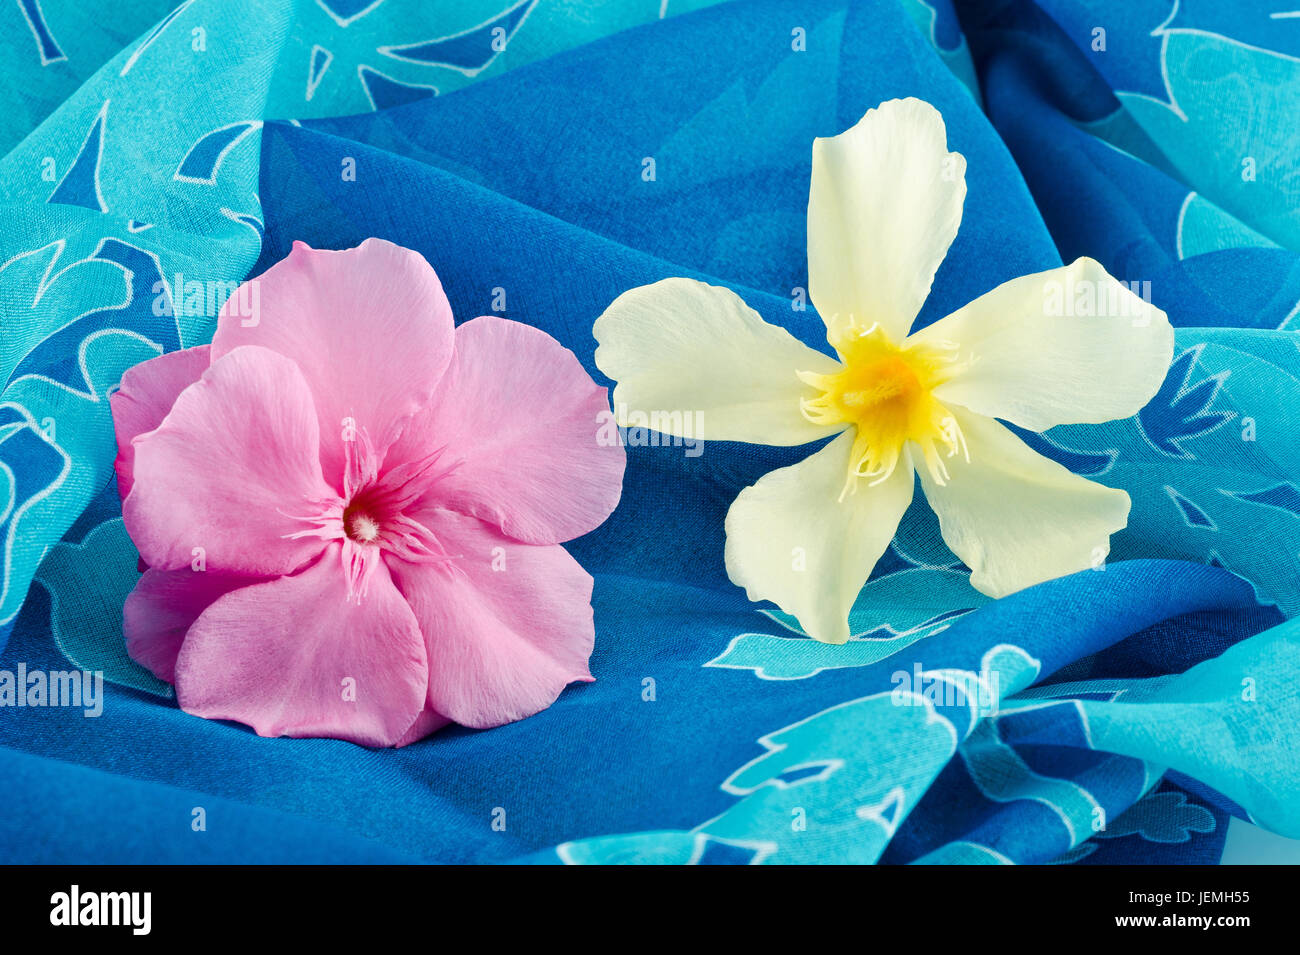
<point x="1038" y="362"/>
<point x="791" y="540"/>
<point x="702" y="364"/>
<point x="884" y="206"/>
<point x="1017" y="518"/>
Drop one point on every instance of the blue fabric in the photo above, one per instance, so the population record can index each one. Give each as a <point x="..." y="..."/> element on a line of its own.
<point x="1138" y="706"/>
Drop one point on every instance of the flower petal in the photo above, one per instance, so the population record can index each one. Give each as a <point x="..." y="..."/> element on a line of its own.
<point x="791" y="540"/>
<point x="370" y="328"/>
<point x="146" y="394"/>
<point x="516" y="424"/>
<point x="229" y="469"/>
<point x="1017" y="518"/>
<point x="706" y="365"/>
<point x="507" y="625"/>
<point x="1038" y="362"/>
<point x="884" y="206"/>
<point x="280" y="655"/>
<point x="429" y="721"/>
<point x="158" y="613"/>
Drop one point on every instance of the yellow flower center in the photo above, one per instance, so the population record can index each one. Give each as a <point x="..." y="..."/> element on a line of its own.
<point x="886" y="391"/>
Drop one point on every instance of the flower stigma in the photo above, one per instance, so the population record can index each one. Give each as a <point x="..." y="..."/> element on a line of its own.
<point x="362" y="528"/>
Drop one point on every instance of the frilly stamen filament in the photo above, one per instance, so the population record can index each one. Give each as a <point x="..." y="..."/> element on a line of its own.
<point x="370" y="518"/>
<point x="885" y="390"/>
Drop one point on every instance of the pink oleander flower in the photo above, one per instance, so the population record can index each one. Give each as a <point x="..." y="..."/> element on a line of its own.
<point x="351" y="510"/>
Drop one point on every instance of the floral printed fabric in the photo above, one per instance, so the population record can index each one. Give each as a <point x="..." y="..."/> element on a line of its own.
<point x="156" y="157"/>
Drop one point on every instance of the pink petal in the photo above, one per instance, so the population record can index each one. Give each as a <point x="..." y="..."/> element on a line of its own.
<point x="158" y="613"/>
<point x="229" y="470"/>
<point x="427" y="722"/>
<point x="518" y="423"/>
<point x="279" y="656"/>
<point x="370" y="328"/>
<point x="146" y="394"/>
<point x="502" y="643"/>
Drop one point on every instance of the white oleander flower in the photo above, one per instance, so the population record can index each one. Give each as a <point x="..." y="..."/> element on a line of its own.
<point x="1069" y="345"/>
